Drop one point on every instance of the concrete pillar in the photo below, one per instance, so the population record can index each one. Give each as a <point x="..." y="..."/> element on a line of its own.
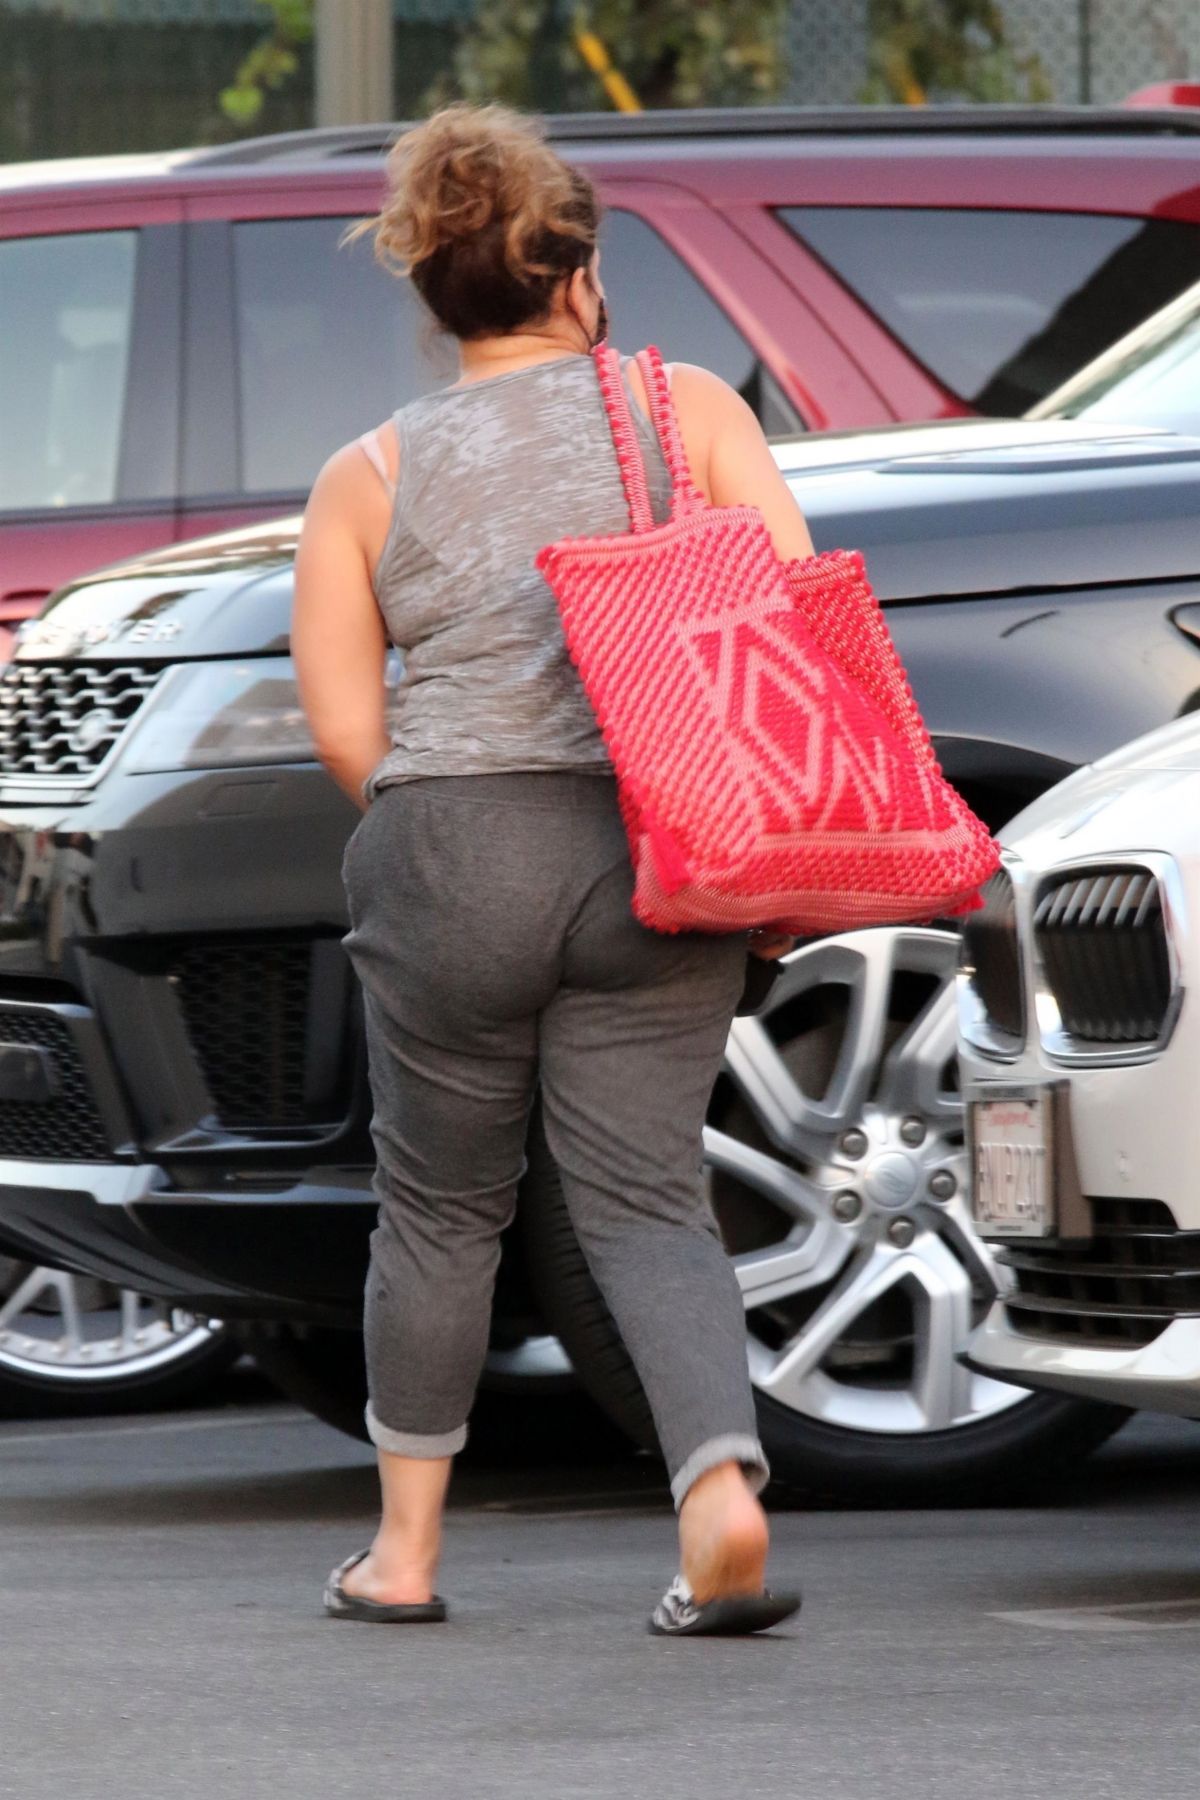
<point x="354" y="62"/>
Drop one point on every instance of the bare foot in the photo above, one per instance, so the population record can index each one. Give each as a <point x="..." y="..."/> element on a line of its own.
<point x="723" y="1536"/>
<point x="389" y="1582"/>
<point x="401" y="1567"/>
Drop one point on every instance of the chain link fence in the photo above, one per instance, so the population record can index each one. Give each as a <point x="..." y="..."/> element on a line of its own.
<point x="827" y="51"/>
<point x="215" y="12"/>
<point x="1094" y="51"/>
<point x="1103" y="51"/>
<point x="88" y="77"/>
<point x="79" y="77"/>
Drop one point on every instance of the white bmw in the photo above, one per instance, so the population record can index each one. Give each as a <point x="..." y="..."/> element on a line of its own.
<point x="1080" y="1044"/>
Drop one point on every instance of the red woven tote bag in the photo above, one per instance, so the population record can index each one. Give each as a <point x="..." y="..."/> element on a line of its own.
<point x="772" y="765"/>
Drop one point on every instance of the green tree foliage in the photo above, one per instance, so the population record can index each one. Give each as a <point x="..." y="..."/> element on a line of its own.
<point x="272" y="62"/>
<point x="947" y="50"/>
<point x="672" y="52"/>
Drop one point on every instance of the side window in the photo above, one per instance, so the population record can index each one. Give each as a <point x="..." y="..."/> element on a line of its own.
<point x="329" y="344"/>
<point x="1001" y="306"/>
<point x="66" y="319"/>
<point x="653" y="298"/>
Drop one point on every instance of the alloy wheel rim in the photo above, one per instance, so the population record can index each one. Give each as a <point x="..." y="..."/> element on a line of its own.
<point x="863" y="1276"/>
<point x="72" y="1330"/>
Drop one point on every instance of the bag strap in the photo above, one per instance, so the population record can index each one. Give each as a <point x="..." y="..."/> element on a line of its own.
<point x="624" y="435"/>
<point x="685" y="495"/>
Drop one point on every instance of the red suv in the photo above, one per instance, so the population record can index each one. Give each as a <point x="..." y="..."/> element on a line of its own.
<point x="182" y="341"/>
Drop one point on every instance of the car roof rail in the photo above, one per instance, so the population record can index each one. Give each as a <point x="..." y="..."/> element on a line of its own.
<point x="325" y="143"/>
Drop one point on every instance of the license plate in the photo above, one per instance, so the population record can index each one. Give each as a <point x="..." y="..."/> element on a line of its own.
<point x="1013" y="1186"/>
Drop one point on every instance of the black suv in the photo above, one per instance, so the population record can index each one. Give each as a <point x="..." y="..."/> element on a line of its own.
<point x="183" y="1107"/>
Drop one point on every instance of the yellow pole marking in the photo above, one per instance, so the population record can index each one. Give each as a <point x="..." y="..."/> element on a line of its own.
<point x="596" y="56"/>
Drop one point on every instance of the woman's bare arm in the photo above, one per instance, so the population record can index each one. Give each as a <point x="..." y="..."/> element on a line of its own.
<point x="339" y="644"/>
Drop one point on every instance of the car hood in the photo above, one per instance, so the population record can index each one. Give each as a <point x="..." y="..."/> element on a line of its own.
<point x="219" y="596"/>
<point x="987" y="507"/>
<point x="828" y="451"/>
<point x="941" y="511"/>
<point x="1144" y="796"/>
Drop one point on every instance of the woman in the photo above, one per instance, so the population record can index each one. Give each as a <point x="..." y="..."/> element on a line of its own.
<point x="489" y="884"/>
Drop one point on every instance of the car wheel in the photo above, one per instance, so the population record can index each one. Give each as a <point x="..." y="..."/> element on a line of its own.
<point x="835" y="1161"/>
<point x="72" y="1344"/>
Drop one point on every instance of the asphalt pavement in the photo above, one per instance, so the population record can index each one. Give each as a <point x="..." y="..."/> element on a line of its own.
<point x="163" y="1634"/>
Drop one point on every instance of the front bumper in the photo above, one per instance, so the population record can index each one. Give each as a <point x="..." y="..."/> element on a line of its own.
<point x="1108" y="1306"/>
<point x="183" y="1106"/>
<point x="1162" y="1376"/>
<point x="296" y="1252"/>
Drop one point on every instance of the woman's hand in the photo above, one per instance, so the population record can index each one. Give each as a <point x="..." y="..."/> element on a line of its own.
<point x="769" y="945"/>
<point x="339" y="643"/>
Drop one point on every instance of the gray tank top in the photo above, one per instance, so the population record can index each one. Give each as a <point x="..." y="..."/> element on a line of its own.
<point x="489" y="473"/>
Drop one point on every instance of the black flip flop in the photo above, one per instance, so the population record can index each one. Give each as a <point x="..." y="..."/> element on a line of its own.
<point x="677" y="1614"/>
<point x="341" y="1605"/>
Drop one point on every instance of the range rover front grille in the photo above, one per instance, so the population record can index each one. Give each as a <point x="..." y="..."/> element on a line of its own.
<point x="246" y="1007"/>
<point x="61" y="721"/>
<point x="992" y="958"/>
<point x="1101" y="937"/>
<point x="1123" y="1286"/>
<point x="65" y="1127"/>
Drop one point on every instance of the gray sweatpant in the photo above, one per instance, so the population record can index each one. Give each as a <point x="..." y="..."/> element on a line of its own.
<point x="492" y="932"/>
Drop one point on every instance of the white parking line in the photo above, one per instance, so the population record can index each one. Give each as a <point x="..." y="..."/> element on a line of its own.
<point x="1139" y="1615"/>
<point x="81" y="1431"/>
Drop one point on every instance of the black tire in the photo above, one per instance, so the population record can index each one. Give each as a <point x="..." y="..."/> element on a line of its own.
<point x="1039" y="1440"/>
<point x="323" y="1370"/>
<point x="320" y="1368"/>
<point x="33" y="1396"/>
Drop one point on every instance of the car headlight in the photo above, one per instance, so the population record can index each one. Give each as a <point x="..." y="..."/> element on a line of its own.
<point x="223" y="715"/>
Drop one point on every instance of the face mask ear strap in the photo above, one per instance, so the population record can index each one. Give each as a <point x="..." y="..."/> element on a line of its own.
<point x="594" y="340"/>
<point x="601" y="323"/>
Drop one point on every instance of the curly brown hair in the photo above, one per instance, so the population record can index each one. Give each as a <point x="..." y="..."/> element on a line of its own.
<point x="484" y="218"/>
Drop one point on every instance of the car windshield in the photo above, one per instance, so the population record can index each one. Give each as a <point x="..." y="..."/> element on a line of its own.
<point x="1150" y="377"/>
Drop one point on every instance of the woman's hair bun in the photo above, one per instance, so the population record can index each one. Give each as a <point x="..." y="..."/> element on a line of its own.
<point x="477" y="201"/>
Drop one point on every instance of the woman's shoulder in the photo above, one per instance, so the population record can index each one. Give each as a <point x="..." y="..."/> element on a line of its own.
<point x="700" y="397"/>
<point x="702" y="390"/>
<point x="366" y="466"/>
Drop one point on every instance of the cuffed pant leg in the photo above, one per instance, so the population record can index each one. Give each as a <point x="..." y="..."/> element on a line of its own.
<point x="452" y="958"/>
<point x="449" y="1132"/>
<point x="420" y="1445"/>
<point x="627" y="1074"/>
